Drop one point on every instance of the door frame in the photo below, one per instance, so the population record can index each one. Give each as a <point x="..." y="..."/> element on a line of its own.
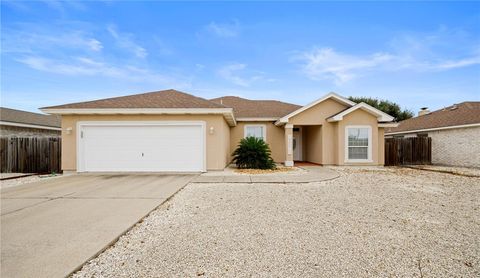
<point x="81" y="148"/>
<point x="298" y="136"/>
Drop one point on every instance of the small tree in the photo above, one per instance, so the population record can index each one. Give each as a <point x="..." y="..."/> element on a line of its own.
<point x="391" y="108"/>
<point x="253" y="153"/>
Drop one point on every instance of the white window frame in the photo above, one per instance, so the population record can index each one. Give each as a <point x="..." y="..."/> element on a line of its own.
<point x="264" y="131"/>
<point x="369" y="149"/>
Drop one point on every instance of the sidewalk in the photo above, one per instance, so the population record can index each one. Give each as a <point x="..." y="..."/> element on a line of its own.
<point x="309" y="174"/>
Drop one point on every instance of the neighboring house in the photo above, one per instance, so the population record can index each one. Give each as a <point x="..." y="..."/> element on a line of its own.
<point x="22" y="123"/>
<point x="455" y="133"/>
<point x="174" y="131"/>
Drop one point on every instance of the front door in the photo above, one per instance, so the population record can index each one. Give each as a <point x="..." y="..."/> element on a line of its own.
<point x="297" y="144"/>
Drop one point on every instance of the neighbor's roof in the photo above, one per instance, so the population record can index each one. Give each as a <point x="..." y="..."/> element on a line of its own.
<point x="24" y="117"/>
<point x="247" y="108"/>
<point x="465" y="113"/>
<point x="159" y="99"/>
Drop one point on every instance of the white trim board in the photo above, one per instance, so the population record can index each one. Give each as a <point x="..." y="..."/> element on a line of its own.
<point x="30" y="126"/>
<point x="259" y="119"/>
<point x="80" y="124"/>
<point x="432" y="129"/>
<point x="381" y="116"/>
<point x="226" y="112"/>
<point x="339" y="98"/>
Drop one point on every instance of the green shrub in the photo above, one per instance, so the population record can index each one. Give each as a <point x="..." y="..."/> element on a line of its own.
<point x="253" y="153"/>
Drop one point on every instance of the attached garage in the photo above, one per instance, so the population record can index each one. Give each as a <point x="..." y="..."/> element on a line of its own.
<point x="130" y="146"/>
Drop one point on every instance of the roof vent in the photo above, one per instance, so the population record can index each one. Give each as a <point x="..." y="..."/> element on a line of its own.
<point x="453" y="107"/>
<point x="423" y="111"/>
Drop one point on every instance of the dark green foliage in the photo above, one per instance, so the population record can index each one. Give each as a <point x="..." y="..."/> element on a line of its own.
<point x="253" y="153"/>
<point x="391" y="108"/>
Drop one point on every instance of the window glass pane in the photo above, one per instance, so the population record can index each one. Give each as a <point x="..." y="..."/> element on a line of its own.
<point x="255" y="131"/>
<point x="358" y="143"/>
<point x="357" y="137"/>
<point x="357" y="152"/>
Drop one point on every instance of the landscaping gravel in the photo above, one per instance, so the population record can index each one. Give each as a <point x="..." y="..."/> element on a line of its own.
<point x="368" y="222"/>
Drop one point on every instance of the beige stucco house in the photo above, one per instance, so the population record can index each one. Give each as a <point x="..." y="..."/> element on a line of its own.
<point x="174" y="131"/>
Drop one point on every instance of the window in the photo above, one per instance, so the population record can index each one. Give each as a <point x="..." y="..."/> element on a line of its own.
<point x="358" y="143"/>
<point x="258" y="131"/>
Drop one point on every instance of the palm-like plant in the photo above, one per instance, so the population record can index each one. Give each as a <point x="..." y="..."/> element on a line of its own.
<point x="253" y="153"/>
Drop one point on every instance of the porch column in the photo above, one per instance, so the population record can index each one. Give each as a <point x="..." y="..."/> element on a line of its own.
<point x="289" y="145"/>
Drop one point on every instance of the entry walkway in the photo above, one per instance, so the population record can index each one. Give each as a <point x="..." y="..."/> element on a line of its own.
<point x="306" y="174"/>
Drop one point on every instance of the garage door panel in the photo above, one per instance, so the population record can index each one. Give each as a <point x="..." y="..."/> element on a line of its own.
<point x="143" y="148"/>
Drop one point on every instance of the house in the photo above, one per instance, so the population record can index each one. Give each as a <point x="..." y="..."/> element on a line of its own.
<point x="174" y="131"/>
<point x="27" y="124"/>
<point x="455" y="133"/>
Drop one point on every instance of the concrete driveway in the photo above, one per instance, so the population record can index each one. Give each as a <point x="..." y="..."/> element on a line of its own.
<point x="51" y="227"/>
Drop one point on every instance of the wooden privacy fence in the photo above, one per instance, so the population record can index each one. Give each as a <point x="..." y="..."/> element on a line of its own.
<point x="408" y="151"/>
<point x="30" y="154"/>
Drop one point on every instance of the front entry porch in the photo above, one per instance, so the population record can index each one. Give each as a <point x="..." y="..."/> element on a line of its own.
<point x="303" y="145"/>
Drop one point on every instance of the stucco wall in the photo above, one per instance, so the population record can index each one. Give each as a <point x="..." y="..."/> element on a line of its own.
<point x="318" y="115"/>
<point x="359" y="117"/>
<point x="312" y="143"/>
<point x="275" y="138"/>
<point x="217" y="158"/>
<point x="456" y="147"/>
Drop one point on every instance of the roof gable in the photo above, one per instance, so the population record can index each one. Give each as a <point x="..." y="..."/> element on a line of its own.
<point x="332" y="95"/>
<point x="381" y="116"/>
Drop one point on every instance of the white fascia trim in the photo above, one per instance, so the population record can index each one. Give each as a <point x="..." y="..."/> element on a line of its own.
<point x="432" y="129"/>
<point x="341" y="99"/>
<point x="226" y="112"/>
<point x="387" y="124"/>
<point x="256" y="119"/>
<point x="30" y="126"/>
<point x="381" y="116"/>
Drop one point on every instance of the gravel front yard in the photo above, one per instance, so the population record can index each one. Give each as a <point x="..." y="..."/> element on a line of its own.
<point x="369" y="222"/>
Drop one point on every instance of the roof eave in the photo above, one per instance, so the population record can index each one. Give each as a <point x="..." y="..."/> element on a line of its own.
<point x="432" y="129"/>
<point x="226" y="112"/>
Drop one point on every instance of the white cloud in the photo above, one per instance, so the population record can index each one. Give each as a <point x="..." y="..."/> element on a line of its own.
<point x="125" y="41"/>
<point x="458" y="63"/>
<point x="83" y="66"/>
<point x="16" y="41"/>
<point x="444" y="49"/>
<point x="326" y="63"/>
<point x="232" y="72"/>
<point x="224" y="30"/>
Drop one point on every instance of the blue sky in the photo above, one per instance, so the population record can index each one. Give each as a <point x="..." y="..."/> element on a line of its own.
<point x="416" y="54"/>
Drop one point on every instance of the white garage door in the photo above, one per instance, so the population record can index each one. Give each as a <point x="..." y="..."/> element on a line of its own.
<point x="137" y="147"/>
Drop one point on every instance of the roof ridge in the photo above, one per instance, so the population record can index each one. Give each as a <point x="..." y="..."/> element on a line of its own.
<point x="139" y="95"/>
<point x="274" y="100"/>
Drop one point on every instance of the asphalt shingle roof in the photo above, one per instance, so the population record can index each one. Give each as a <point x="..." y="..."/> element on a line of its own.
<point x="458" y="114"/>
<point x="159" y="99"/>
<point x="24" y="117"/>
<point x="246" y="108"/>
